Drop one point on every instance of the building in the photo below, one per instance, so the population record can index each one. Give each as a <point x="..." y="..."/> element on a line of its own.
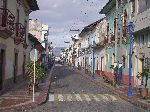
<point x="141" y="20"/>
<point x="35" y="28"/>
<point x="91" y="36"/>
<point x="117" y="51"/>
<point x="101" y="41"/>
<point x="45" y="33"/>
<point x="35" y="44"/>
<point x="75" y="49"/>
<point x="14" y="20"/>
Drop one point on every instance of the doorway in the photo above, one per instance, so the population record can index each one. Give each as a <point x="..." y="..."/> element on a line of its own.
<point x="102" y="63"/>
<point x="15" y="67"/>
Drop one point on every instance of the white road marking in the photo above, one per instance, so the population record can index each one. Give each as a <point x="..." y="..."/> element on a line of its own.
<point x="113" y="97"/>
<point x="87" y="97"/>
<point x="78" y="97"/>
<point x="69" y="97"/>
<point x="51" y="97"/>
<point x="96" y="98"/>
<point x="104" y="98"/>
<point x="82" y="97"/>
<point x="60" y="97"/>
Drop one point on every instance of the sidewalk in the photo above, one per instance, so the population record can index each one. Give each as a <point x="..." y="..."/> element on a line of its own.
<point x="121" y="91"/>
<point x="18" y="98"/>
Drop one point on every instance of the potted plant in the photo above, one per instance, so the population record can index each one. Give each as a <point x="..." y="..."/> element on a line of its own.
<point x="39" y="73"/>
<point x="144" y="75"/>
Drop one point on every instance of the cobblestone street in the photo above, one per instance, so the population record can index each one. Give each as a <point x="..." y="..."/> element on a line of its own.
<point x="69" y="92"/>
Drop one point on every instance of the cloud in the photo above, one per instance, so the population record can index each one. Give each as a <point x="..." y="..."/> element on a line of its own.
<point x="63" y="15"/>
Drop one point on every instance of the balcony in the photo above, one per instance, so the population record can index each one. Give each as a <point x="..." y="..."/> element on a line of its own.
<point x="105" y="40"/>
<point x="124" y="31"/>
<point x="20" y="33"/>
<point x="102" y="42"/>
<point x="7" y="19"/>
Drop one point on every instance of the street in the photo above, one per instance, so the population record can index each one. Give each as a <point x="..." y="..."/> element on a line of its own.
<point x="70" y="92"/>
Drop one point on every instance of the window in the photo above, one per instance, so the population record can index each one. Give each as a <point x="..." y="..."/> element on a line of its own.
<point x="25" y="25"/>
<point x="123" y="61"/>
<point x="143" y="5"/>
<point x="148" y="39"/>
<point x="114" y="25"/>
<point x="133" y="7"/>
<point x="3" y="3"/>
<point x="143" y="39"/>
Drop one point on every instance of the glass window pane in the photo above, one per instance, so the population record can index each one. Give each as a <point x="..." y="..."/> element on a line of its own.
<point x="148" y="4"/>
<point x="142" y="5"/>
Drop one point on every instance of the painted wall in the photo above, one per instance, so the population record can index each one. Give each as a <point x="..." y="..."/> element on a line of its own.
<point x="9" y="42"/>
<point x="35" y="28"/>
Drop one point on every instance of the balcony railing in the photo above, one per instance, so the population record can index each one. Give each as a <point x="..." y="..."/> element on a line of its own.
<point x="124" y="30"/>
<point x="7" y="20"/>
<point x="20" y="33"/>
<point x="105" y="40"/>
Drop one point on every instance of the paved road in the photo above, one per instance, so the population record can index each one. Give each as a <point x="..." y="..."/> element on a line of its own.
<point x="70" y="93"/>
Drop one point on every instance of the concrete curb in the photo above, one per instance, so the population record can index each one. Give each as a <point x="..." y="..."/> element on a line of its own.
<point x="43" y="96"/>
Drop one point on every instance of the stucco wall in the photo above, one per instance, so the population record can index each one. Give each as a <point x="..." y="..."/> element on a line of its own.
<point x="9" y="43"/>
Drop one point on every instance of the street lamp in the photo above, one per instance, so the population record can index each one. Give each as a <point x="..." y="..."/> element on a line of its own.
<point x="130" y="31"/>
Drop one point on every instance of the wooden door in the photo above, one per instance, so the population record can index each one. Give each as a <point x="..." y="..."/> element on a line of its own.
<point x="15" y="67"/>
<point x="102" y="63"/>
<point x="1" y="68"/>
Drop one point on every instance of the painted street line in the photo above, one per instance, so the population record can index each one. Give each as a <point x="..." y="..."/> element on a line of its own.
<point x="60" y="97"/>
<point x="87" y="97"/>
<point x="83" y="97"/>
<point x="51" y="97"/>
<point x="78" y="97"/>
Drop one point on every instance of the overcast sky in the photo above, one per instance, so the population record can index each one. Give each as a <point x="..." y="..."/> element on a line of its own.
<point x="63" y="15"/>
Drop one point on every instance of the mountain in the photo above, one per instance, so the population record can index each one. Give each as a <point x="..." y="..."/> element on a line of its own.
<point x="57" y="51"/>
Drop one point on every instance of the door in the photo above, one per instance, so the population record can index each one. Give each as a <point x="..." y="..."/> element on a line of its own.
<point x="102" y="63"/>
<point x="1" y="68"/>
<point x="15" y="67"/>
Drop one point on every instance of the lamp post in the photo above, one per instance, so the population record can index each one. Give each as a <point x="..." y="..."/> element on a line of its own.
<point x="130" y="31"/>
<point x="93" y="61"/>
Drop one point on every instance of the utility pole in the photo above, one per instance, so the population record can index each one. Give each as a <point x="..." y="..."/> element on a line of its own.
<point x="120" y="47"/>
<point x="130" y="30"/>
<point x="116" y="39"/>
<point x="93" y="60"/>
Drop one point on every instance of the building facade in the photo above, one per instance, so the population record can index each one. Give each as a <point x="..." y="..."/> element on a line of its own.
<point x="14" y="20"/>
<point x="35" y="28"/>
<point x="141" y="20"/>
<point x="118" y="13"/>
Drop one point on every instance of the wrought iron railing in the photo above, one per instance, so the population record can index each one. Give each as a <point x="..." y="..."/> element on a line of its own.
<point x="112" y="38"/>
<point x="20" y="31"/>
<point x="7" y="19"/>
<point x="124" y="30"/>
<point x="105" y="40"/>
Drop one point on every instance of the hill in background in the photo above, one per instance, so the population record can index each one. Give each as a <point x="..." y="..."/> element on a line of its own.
<point x="57" y="51"/>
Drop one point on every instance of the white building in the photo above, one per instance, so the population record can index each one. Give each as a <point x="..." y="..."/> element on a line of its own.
<point x="35" y="28"/>
<point x="14" y="23"/>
